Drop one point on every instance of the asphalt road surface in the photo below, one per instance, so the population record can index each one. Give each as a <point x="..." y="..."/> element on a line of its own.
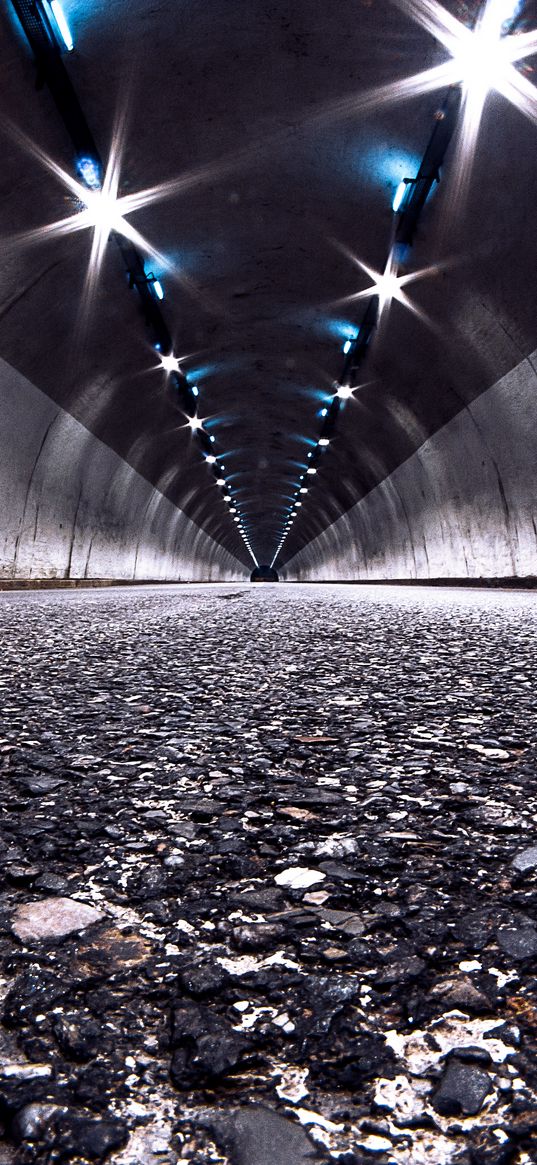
<point x="268" y="861"/>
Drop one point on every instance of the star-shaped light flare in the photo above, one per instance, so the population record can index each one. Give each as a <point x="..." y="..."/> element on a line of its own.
<point x="169" y="363"/>
<point x="483" y="59"/>
<point x="480" y="59"/>
<point x="387" y="284"/>
<point x="99" y="210"/>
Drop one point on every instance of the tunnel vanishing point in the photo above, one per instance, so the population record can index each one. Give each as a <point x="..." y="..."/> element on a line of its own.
<point x="268" y="315"/>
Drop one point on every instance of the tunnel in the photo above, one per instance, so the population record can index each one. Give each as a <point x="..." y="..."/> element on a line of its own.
<point x="268" y="314"/>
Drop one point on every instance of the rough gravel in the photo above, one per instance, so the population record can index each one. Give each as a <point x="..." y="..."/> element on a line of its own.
<point x="304" y="820"/>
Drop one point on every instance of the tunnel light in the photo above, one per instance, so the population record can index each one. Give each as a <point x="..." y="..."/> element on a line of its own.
<point x="481" y="57"/>
<point x="236" y="519"/>
<point x="400" y="194"/>
<point x="210" y="459"/>
<point x="212" y="439"/>
<point x="324" y="441"/>
<point x="227" y="497"/>
<point x="63" y="27"/>
<point x="504" y="11"/>
<point x="194" y="390"/>
<point x="344" y="391"/>
<point x="195" y="423"/>
<point x="220" y="481"/>
<point x="298" y="504"/>
<point x="303" y="490"/>
<point x="89" y="171"/>
<point x="312" y="471"/>
<point x="158" y="288"/>
<point x="232" y="510"/>
<point x="347" y="347"/>
<point x="323" y="413"/>
<point x="169" y="363"/>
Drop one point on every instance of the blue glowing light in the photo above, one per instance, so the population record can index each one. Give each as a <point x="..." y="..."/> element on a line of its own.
<point x="89" y="171"/>
<point x="158" y="289"/>
<point x="341" y="329"/>
<point x="347" y="346"/>
<point x="63" y="27"/>
<point x="323" y="413"/>
<point x="195" y="390"/>
<point x="212" y="438"/>
<point x="401" y="253"/>
<point x="400" y="195"/>
<point x="388" y="163"/>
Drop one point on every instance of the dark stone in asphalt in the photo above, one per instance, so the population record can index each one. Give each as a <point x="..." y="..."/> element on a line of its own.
<point x="526" y="861"/>
<point x="206" y="1047"/>
<point x="39" y="786"/>
<point x="51" y="884"/>
<point x="403" y="971"/>
<point x="74" y="1136"/>
<point x="471" y="1055"/>
<point x="520" y="943"/>
<point x="207" y="979"/>
<point x="461" y="992"/>
<point x="80" y="1040"/>
<point x="256" y="1135"/>
<point x="31" y="1121"/>
<point x="462" y="1090"/>
<point x="257" y="937"/>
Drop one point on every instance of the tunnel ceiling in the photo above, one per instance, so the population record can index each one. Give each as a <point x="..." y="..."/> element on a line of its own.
<point x="282" y="169"/>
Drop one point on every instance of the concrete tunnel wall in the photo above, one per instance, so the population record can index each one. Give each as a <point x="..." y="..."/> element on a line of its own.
<point x="72" y="509"/>
<point x="463" y="506"/>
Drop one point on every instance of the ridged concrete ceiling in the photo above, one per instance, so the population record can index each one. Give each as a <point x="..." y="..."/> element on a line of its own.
<point x="250" y="95"/>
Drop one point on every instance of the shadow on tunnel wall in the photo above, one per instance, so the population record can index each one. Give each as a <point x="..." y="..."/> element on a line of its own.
<point x="463" y="506"/>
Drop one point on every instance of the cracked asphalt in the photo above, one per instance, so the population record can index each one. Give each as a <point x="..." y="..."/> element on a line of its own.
<point x="269" y="858"/>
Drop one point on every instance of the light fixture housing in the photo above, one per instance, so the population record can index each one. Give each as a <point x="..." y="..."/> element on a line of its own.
<point x="89" y="172"/>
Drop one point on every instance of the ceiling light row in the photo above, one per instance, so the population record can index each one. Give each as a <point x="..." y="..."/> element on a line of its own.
<point x="482" y="60"/>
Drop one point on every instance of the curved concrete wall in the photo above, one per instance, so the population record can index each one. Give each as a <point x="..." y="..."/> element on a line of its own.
<point x="72" y="509"/>
<point x="463" y="506"/>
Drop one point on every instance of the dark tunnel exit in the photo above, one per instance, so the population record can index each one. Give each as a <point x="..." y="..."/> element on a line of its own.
<point x="264" y="574"/>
